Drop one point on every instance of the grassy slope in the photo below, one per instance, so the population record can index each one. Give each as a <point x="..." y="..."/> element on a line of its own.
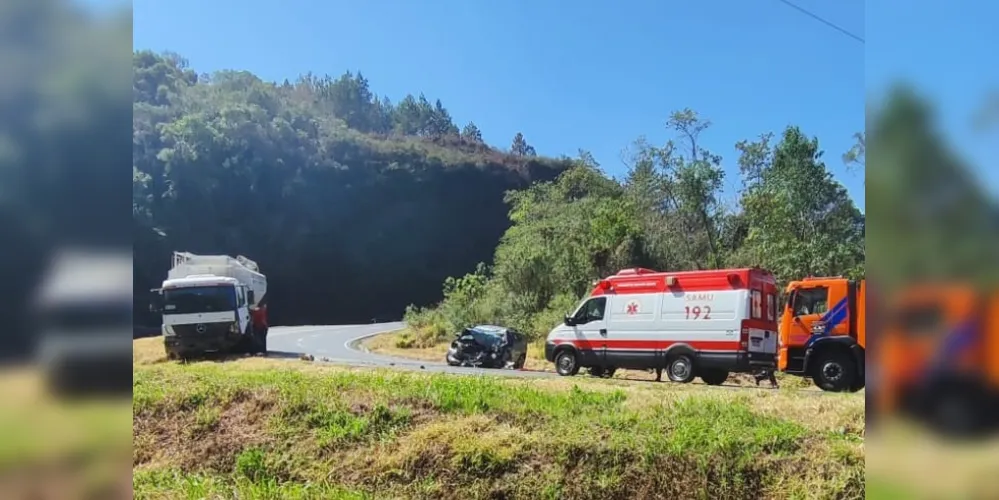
<point x="51" y="448"/>
<point x="265" y="428"/>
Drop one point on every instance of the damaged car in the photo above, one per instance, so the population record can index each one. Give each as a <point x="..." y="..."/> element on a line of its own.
<point x="488" y="346"/>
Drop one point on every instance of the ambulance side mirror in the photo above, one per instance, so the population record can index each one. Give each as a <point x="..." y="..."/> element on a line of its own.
<point x="568" y="320"/>
<point x="249" y="296"/>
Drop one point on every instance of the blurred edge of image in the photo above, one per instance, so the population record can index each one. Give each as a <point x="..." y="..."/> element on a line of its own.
<point x="65" y="135"/>
<point x="933" y="383"/>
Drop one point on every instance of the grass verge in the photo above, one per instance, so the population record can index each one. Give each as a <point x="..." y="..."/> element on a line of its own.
<point x="52" y="447"/>
<point x="262" y="428"/>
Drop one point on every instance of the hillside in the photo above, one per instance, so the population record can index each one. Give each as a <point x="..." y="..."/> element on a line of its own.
<point x="353" y="206"/>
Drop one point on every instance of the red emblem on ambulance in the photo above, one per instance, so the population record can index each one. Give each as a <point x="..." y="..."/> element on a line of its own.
<point x="632" y="307"/>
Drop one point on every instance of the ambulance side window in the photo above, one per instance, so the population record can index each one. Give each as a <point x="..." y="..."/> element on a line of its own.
<point x="756" y="299"/>
<point x="811" y="301"/>
<point x="592" y="310"/>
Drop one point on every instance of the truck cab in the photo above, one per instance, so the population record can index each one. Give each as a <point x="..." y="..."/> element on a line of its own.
<point x="84" y="313"/>
<point x="939" y="357"/>
<point x="206" y="313"/>
<point x="822" y="332"/>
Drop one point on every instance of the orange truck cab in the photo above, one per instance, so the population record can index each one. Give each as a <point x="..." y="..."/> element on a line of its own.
<point x="822" y="333"/>
<point x="938" y="358"/>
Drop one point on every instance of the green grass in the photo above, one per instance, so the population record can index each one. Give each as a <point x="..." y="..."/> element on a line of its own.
<point x="259" y="428"/>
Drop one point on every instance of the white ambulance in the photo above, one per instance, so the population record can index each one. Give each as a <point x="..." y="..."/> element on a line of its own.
<point x="704" y="324"/>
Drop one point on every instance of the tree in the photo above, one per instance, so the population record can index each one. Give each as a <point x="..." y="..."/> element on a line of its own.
<point x="856" y="155"/>
<point x="934" y="220"/>
<point x="441" y="124"/>
<point x="800" y="221"/>
<point x="520" y="147"/>
<point x="697" y="180"/>
<point x="472" y="134"/>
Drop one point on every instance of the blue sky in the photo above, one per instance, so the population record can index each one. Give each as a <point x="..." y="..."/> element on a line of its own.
<point x="590" y="76"/>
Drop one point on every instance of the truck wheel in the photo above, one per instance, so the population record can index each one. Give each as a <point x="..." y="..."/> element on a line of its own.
<point x="566" y="363"/>
<point x="835" y="371"/>
<point x="680" y="368"/>
<point x="958" y="414"/>
<point x="713" y="376"/>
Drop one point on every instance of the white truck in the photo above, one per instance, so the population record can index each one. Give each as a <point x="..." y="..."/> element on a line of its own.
<point x="213" y="303"/>
<point x="83" y="310"/>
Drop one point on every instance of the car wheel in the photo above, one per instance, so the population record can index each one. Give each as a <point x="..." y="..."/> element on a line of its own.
<point x="680" y="368"/>
<point x="566" y="363"/>
<point x="834" y="372"/>
<point x="713" y="376"/>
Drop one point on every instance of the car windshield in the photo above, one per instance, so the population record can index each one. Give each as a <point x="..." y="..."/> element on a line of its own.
<point x="200" y="299"/>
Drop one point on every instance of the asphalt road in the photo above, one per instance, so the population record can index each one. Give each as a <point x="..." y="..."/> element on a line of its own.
<point x="339" y="344"/>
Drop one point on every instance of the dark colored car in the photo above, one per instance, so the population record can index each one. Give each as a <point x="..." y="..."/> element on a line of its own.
<point x="488" y="346"/>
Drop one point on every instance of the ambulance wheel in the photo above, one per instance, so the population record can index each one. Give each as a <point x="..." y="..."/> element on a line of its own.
<point x="713" y="376"/>
<point x="680" y="368"/>
<point x="566" y="363"/>
<point x="835" y="371"/>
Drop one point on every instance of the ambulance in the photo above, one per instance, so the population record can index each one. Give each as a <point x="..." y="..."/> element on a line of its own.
<point x="691" y="324"/>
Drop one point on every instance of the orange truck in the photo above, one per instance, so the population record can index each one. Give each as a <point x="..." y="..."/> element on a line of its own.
<point x="937" y="358"/>
<point x="822" y="332"/>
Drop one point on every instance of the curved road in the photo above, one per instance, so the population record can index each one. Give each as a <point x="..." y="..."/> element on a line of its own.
<point x="338" y="344"/>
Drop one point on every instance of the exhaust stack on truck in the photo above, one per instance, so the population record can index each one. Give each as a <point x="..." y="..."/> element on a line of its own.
<point x="213" y="303"/>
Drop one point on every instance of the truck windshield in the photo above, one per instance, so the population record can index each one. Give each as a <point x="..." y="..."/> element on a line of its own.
<point x="199" y="299"/>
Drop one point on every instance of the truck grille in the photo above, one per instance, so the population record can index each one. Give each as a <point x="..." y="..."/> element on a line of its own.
<point x="210" y="330"/>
